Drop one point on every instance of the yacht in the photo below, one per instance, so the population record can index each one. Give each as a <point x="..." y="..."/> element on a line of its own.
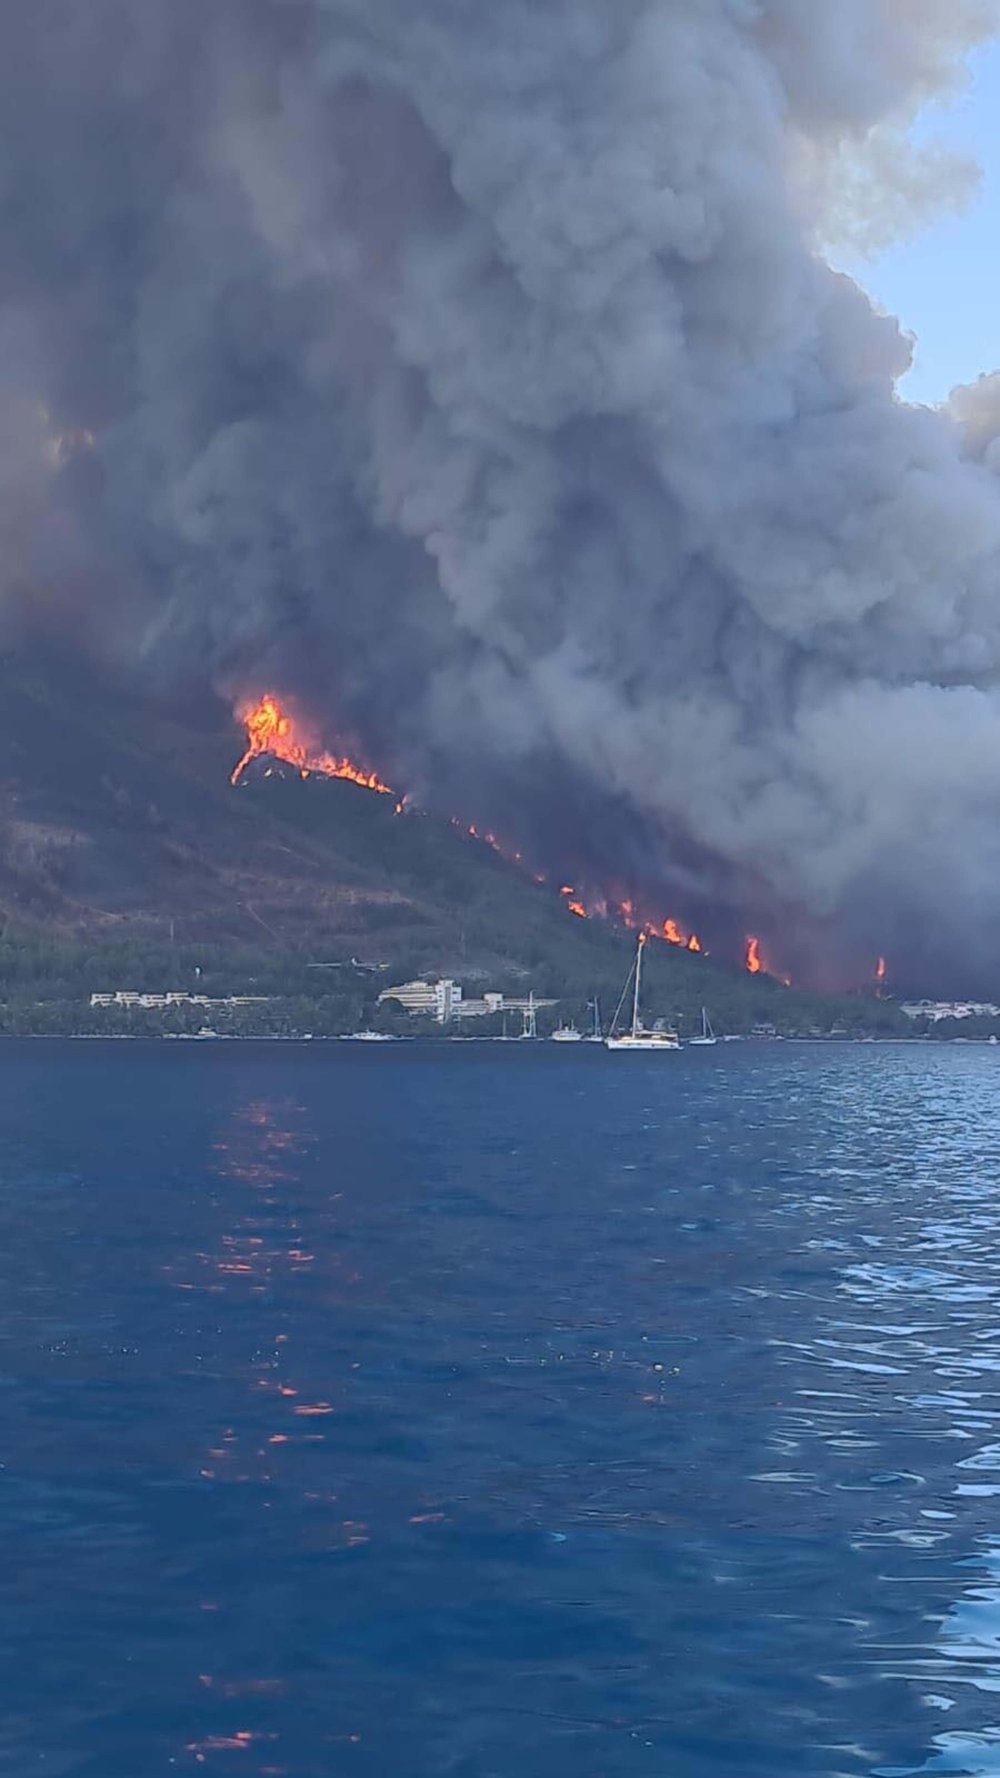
<point x="638" y="1038"/>
<point x="567" y="1034"/>
<point x="707" y="1036"/>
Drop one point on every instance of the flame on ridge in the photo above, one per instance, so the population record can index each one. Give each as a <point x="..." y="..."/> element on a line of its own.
<point x="673" y="934"/>
<point x="756" y="964"/>
<point x="574" y="905"/>
<point x="270" y="729"/>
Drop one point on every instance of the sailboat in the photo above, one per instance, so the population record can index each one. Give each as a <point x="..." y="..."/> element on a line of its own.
<point x="638" y="1038"/>
<point x="707" y="1034"/>
<point x="596" y="1035"/>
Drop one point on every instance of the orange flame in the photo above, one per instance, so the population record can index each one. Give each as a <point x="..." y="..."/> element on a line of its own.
<point x="271" y="730"/>
<point x="573" y="903"/>
<point x="881" y="972"/>
<point x="488" y="839"/>
<point x="757" y="965"/>
<point x="673" y="934"/>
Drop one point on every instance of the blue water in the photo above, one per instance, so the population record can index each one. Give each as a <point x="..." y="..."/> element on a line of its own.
<point x="499" y="1414"/>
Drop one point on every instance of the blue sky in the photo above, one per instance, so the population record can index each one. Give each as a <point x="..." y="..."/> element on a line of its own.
<point x="945" y="284"/>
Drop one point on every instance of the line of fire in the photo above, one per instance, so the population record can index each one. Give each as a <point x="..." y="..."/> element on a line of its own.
<point x="273" y="733"/>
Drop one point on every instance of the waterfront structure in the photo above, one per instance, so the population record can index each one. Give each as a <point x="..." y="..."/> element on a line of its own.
<point x="436" y="1000"/>
<point x="128" y="998"/>
<point x="445" y="1002"/>
<point x="936" y="1010"/>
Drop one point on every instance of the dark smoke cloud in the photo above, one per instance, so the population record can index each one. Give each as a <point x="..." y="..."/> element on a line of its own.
<point x="474" y="371"/>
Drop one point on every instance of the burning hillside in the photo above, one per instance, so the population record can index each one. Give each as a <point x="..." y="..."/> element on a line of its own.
<point x="475" y="374"/>
<point x="274" y="733"/>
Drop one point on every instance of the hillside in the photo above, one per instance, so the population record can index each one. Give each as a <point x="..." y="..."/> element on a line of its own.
<point x="118" y="823"/>
<point x="127" y="859"/>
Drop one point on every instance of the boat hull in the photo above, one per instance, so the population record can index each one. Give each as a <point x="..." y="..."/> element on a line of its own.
<point x="642" y="1043"/>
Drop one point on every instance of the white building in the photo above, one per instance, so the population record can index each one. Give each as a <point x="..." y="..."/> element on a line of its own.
<point x="493" y="1004"/>
<point x="157" y="1002"/>
<point x="936" y="1010"/>
<point x="443" y="1001"/>
<point x="436" y="1000"/>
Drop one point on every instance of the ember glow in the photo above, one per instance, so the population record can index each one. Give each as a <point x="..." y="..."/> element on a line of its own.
<point x="271" y="730"/>
<point x="489" y="839"/>
<point x="573" y="903"/>
<point x="753" y="960"/>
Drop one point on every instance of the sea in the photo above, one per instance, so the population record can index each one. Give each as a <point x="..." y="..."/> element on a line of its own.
<point x="388" y="1411"/>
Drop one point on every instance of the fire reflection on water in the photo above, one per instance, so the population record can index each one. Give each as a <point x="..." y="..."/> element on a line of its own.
<point x="261" y="1151"/>
<point x="267" y="1255"/>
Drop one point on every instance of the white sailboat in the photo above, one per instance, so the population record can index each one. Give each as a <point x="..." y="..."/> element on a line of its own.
<point x="596" y="1035"/>
<point x="638" y="1038"/>
<point x="707" y="1034"/>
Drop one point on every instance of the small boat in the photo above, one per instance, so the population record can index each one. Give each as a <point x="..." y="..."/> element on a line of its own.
<point x="596" y="1035"/>
<point x="567" y="1034"/>
<point x="638" y="1038"/>
<point x="707" y="1034"/>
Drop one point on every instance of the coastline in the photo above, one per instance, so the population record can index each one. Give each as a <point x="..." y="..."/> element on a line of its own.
<point x="388" y="1041"/>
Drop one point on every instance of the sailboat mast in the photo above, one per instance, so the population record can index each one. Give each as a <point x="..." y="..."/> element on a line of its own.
<point x="638" y="983"/>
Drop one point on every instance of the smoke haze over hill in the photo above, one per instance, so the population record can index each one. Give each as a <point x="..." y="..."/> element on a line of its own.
<point x="473" y="373"/>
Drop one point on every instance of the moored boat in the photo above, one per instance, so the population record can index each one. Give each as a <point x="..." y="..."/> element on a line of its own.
<point x="707" y="1036"/>
<point x="638" y="1037"/>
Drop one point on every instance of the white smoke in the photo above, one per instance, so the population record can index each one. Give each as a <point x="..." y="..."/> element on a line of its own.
<point x="487" y="353"/>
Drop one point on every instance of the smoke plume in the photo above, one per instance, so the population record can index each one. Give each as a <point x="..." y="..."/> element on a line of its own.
<point x="474" y="372"/>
